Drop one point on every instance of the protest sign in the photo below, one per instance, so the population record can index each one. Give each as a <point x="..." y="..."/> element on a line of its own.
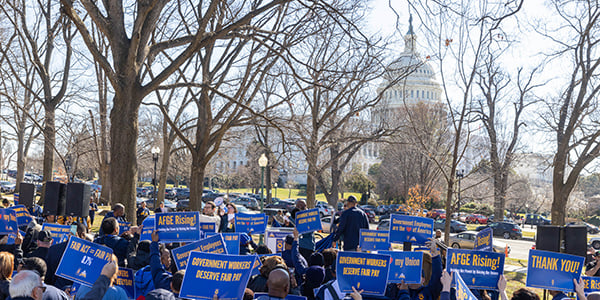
<point x="308" y="221"/>
<point x="276" y="239"/>
<point x="404" y="228"/>
<point x="10" y="238"/>
<point x="125" y="280"/>
<point x="373" y="240"/>
<point x="479" y="269"/>
<point x="213" y="244"/>
<point x="8" y="221"/>
<point x="462" y="290"/>
<point x="232" y="241"/>
<point x="16" y="198"/>
<point x="83" y="261"/>
<point x="484" y="240"/>
<point x="23" y="216"/>
<point x="178" y="226"/>
<point x="405" y="266"/>
<point x="207" y="227"/>
<point x="59" y="233"/>
<point x="147" y="228"/>
<point x="250" y="223"/>
<point x="209" y="274"/>
<point x="590" y="284"/>
<point x="552" y="270"/>
<point x="364" y="271"/>
<point x="124" y="227"/>
<point x="256" y="267"/>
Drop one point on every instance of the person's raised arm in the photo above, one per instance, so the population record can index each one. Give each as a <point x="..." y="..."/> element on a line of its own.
<point x="502" y="287"/>
<point x="102" y="283"/>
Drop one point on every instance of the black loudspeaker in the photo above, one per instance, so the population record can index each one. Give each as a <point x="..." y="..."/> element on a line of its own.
<point x="78" y="199"/>
<point x="26" y="194"/>
<point x="575" y="240"/>
<point x="548" y="238"/>
<point x="55" y="198"/>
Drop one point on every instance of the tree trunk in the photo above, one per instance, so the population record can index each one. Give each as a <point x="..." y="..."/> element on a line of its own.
<point x="124" y="135"/>
<point x="164" y="164"/>
<point x="196" y="184"/>
<point x="336" y="174"/>
<point x="311" y="184"/>
<point x="449" y="197"/>
<point x="105" y="195"/>
<point x="49" y="141"/>
<point x="20" y="160"/>
<point x="268" y="183"/>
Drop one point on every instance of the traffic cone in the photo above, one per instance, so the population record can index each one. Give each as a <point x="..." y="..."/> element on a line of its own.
<point x="505" y="251"/>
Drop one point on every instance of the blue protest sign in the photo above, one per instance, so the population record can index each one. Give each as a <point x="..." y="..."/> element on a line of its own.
<point x="462" y="290"/>
<point x="404" y="228"/>
<point x="124" y="227"/>
<point x="10" y="240"/>
<point x="125" y="280"/>
<point x="16" y="198"/>
<point x="256" y="267"/>
<point x="83" y="261"/>
<point x="276" y="240"/>
<point x="210" y="274"/>
<point x="590" y="284"/>
<point x="364" y="271"/>
<point x="250" y="223"/>
<point x="23" y="216"/>
<point x="59" y="233"/>
<point x="8" y="221"/>
<point x="232" y="241"/>
<point x="213" y="244"/>
<point x="148" y="227"/>
<point x="308" y="221"/>
<point x="405" y="266"/>
<point x="479" y="269"/>
<point x="288" y="297"/>
<point x="373" y="240"/>
<point x="484" y="240"/>
<point x="178" y="226"/>
<point x="552" y="270"/>
<point x="207" y="227"/>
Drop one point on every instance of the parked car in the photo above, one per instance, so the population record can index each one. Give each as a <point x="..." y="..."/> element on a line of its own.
<point x="595" y="242"/>
<point x="172" y="206"/>
<point x="384" y="225"/>
<point x="590" y="228"/>
<point x="182" y="193"/>
<point x="282" y="204"/>
<point x="248" y="202"/>
<point x="507" y="230"/>
<point x="535" y="219"/>
<point x="244" y="210"/>
<point x="455" y="226"/>
<point x="211" y="196"/>
<point x="326" y="224"/>
<point x="170" y="193"/>
<point x="466" y="240"/>
<point x="7" y="187"/>
<point x="324" y="209"/>
<point x="381" y="209"/>
<point x="437" y="214"/>
<point x="476" y="219"/>
<point x="144" y="191"/>
<point x="370" y="213"/>
<point x="184" y="205"/>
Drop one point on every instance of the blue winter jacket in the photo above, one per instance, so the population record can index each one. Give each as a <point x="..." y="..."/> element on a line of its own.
<point x="162" y="278"/>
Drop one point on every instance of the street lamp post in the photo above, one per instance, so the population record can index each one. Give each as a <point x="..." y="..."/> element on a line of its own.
<point x="459" y="174"/>
<point x="155" y="152"/>
<point x="262" y="162"/>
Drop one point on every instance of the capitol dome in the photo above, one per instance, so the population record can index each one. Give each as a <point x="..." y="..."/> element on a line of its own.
<point x="419" y="86"/>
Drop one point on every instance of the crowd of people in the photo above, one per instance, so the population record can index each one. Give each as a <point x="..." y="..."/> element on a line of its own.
<point x="300" y="269"/>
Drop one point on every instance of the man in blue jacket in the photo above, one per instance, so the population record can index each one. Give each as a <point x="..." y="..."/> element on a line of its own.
<point x="158" y="259"/>
<point x="351" y="222"/>
<point x="110" y="237"/>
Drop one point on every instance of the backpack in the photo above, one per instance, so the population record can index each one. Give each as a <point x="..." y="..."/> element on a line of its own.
<point x="143" y="281"/>
<point x="328" y="286"/>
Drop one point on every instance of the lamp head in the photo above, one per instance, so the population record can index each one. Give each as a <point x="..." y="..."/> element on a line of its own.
<point x="263" y="160"/>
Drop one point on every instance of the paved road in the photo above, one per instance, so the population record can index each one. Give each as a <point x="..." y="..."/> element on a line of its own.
<point x="518" y="248"/>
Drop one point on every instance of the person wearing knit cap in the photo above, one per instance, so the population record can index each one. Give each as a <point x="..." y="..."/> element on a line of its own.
<point x="313" y="279"/>
<point x="316" y="259"/>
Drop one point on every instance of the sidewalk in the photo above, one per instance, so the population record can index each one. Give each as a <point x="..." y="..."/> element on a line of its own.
<point x="513" y="268"/>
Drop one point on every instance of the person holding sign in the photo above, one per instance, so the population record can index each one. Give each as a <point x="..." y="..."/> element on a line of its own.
<point x="110" y="237"/>
<point x="351" y="222"/>
<point x="161" y="277"/>
<point x="208" y="215"/>
<point x="306" y="242"/>
<point x="417" y="291"/>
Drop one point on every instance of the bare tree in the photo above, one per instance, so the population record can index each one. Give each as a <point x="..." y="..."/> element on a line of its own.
<point x="141" y="34"/>
<point x="43" y="29"/>
<point x="460" y="32"/>
<point x="496" y="89"/>
<point x="573" y="115"/>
